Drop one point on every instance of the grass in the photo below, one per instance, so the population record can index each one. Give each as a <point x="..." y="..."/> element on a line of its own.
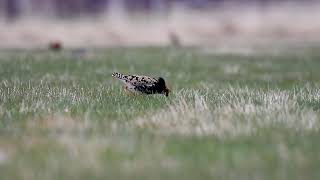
<point x="230" y="116"/>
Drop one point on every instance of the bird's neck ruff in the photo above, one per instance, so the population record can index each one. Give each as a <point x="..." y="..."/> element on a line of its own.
<point x="161" y="86"/>
<point x="161" y="82"/>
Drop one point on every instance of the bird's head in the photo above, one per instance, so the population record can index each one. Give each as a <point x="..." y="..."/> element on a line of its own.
<point x="166" y="92"/>
<point x="163" y="87"/>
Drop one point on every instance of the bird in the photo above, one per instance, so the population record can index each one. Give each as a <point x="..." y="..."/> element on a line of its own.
<point x="174" y="39"/>
<point x="139" y="84"/>
<point x="55" y="45"/>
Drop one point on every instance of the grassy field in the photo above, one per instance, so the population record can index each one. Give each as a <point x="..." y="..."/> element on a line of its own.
<point x="230" y="115"/>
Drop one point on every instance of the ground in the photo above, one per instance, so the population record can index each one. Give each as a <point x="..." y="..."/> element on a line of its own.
<point x="232" y="114"/>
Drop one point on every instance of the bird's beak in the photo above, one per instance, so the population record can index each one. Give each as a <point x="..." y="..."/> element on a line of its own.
<point x="166" y="92"/>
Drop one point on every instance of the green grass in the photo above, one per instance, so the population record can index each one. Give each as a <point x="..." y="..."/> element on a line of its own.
<point x="230" y="116"/>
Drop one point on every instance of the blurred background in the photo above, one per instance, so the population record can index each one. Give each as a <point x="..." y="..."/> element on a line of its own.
<point x="105" y="23"/>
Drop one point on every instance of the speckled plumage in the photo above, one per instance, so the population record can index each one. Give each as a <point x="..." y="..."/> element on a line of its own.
<point x="143" y="84"/>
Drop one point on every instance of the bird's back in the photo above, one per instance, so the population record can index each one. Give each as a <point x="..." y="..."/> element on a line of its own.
<point x="142" y="84"/>
<point x="136" y="80"/>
